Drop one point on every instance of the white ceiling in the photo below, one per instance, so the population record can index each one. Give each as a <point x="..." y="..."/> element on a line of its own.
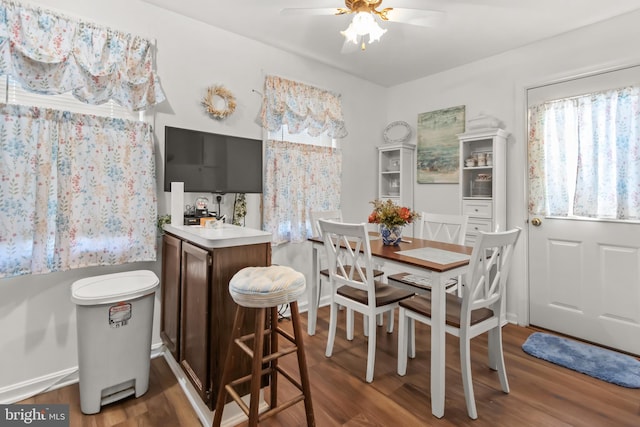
<point x="471" y="30"/>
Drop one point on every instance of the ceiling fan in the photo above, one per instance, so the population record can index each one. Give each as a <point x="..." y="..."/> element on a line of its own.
<point x="365" y="14"/>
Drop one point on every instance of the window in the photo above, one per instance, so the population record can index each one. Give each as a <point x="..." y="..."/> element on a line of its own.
<point x="584" y="155"/>
<point x="283" y="134"/>
<point x="302" y="174"/>
<point x="77" y="181"/>
<point x="303" y="165"/>
<point x="12" y="93"/>
<point x="75" y="191"/>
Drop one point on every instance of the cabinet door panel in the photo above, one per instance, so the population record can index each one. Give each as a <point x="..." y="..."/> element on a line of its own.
<point x="194" y="348"/>
<point x="170" y="294"/>
<point x="226" y="263"/>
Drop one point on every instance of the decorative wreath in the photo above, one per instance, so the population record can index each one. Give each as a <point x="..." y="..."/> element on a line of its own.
<point x="229" y="102"/>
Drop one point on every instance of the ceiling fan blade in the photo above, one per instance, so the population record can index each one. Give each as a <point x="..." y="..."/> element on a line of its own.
<point x="418" y="17"/>
<point x="305" y="11"/>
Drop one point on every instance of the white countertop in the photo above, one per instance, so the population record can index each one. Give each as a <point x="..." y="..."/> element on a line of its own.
<point x="225" y="236"/>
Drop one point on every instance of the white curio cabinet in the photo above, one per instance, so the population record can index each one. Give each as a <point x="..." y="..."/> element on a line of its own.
<point x="396" y="173"/>
<point x="483" y="177"/>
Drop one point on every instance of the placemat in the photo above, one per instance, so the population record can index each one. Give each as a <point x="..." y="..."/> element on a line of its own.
<point x="439" y="256"/>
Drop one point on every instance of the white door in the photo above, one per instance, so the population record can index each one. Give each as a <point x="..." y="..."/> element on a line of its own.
<point x="584" y="274"/>
<point x="585" y="280"/>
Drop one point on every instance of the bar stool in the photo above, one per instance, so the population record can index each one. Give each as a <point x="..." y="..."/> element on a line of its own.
<point x="261" y="288"/>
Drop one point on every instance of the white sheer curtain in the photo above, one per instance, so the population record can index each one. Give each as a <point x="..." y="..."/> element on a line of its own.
<point x="299" y="177"/>
<point x="75" y="191"/>
<point x="584" y="156"/>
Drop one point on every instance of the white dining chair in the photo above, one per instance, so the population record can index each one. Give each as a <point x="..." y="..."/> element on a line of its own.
<point x="353" y="285"/>
<point x="324" y="272"/>
<point x="479" y="310"/>
<point x="332" y="215"/>
<point x="336" y="216"/>
<point x="316" y="215"/>
<point x="443" y="227"/>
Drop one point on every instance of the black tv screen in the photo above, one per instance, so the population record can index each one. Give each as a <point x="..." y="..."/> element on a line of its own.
<point x="212" y="163"/>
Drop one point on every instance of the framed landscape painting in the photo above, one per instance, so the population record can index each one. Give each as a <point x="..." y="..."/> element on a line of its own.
<point x="438" y="159"/>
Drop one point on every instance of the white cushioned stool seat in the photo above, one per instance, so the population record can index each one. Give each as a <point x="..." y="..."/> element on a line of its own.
<point x="266" y="286"/>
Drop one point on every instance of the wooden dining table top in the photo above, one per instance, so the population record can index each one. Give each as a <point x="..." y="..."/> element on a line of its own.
<point x="391" y="252"/>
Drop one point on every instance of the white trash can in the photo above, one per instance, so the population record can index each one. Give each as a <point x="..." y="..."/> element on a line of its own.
<point x="115" y="318"/>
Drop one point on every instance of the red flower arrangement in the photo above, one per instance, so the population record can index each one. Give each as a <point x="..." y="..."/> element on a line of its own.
<point x="390" y="214"/>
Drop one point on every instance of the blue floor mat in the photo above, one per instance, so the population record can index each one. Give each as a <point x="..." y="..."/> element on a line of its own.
<point x="592" y="360"/>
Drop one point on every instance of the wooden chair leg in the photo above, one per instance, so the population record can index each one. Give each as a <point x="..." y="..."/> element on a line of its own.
<point x="371" y="346"/>
<point x="467" y="380"/>
<point x="302" y="364"/>
<point x="226" y="372"/>
<point x="256" y="367"/>
<point x="273" y="385"/>
<point x="403" y="341"/>
<point x="332" y="329"/>
<point x="391" y="320"/>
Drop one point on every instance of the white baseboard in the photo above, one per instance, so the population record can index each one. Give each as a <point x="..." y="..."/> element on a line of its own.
<point x="26" y="389"/>
<point x="232" y="414"/>
<point x="53" y="381"/>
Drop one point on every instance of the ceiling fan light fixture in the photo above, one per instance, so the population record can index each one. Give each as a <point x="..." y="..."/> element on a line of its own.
<point x="363" y="23"/>
<point x="375" y="32"/>
<point x="350" y="34"/>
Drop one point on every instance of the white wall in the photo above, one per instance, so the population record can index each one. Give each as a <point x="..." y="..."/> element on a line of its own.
<point x="37" y="319"/>
<point x="496" y="86"/>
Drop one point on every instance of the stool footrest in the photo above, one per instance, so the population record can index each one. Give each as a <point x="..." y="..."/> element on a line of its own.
<point x="278" y="354"/>
<point x="286" y="334"/>
<point x="265" y="371"/>
<point x="236" y="397"/>
<point x="281" y="407"/>
<point x="240" y="342"/>
<point x="289" y="377"/>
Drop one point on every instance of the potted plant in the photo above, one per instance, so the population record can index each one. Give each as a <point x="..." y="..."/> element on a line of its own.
<point x="391" y="218"/>
<point x="162" y="220"/>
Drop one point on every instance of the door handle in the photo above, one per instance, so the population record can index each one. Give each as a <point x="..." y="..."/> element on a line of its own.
<point x="536" y="222"/>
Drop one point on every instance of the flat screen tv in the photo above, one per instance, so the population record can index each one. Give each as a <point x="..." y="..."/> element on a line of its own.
<point x="212" y="163"/>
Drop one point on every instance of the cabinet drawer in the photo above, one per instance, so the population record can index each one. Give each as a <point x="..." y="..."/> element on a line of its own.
<point x="475" y="225"/>
<point x="477" y="208"/>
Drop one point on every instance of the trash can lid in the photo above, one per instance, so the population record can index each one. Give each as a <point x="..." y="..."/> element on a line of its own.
<point x="110" y="288"/>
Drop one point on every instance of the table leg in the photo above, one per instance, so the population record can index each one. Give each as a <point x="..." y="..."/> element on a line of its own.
<point x="438" y="346"/>
<point x="312" y="291"/>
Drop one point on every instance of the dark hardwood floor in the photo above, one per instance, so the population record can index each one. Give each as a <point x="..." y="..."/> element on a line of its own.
<point x="542" y="394"/>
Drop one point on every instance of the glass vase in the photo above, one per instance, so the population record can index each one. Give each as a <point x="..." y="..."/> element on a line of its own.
<point x="391" y="236"/>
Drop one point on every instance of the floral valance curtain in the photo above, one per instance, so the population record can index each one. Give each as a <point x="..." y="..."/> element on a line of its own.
<point x="52" y="54"/>
<point x="75" y="191"/>
<point x="298" y="178"/>
<point x="584" y="156"/>
<point x="301" y="107"/>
